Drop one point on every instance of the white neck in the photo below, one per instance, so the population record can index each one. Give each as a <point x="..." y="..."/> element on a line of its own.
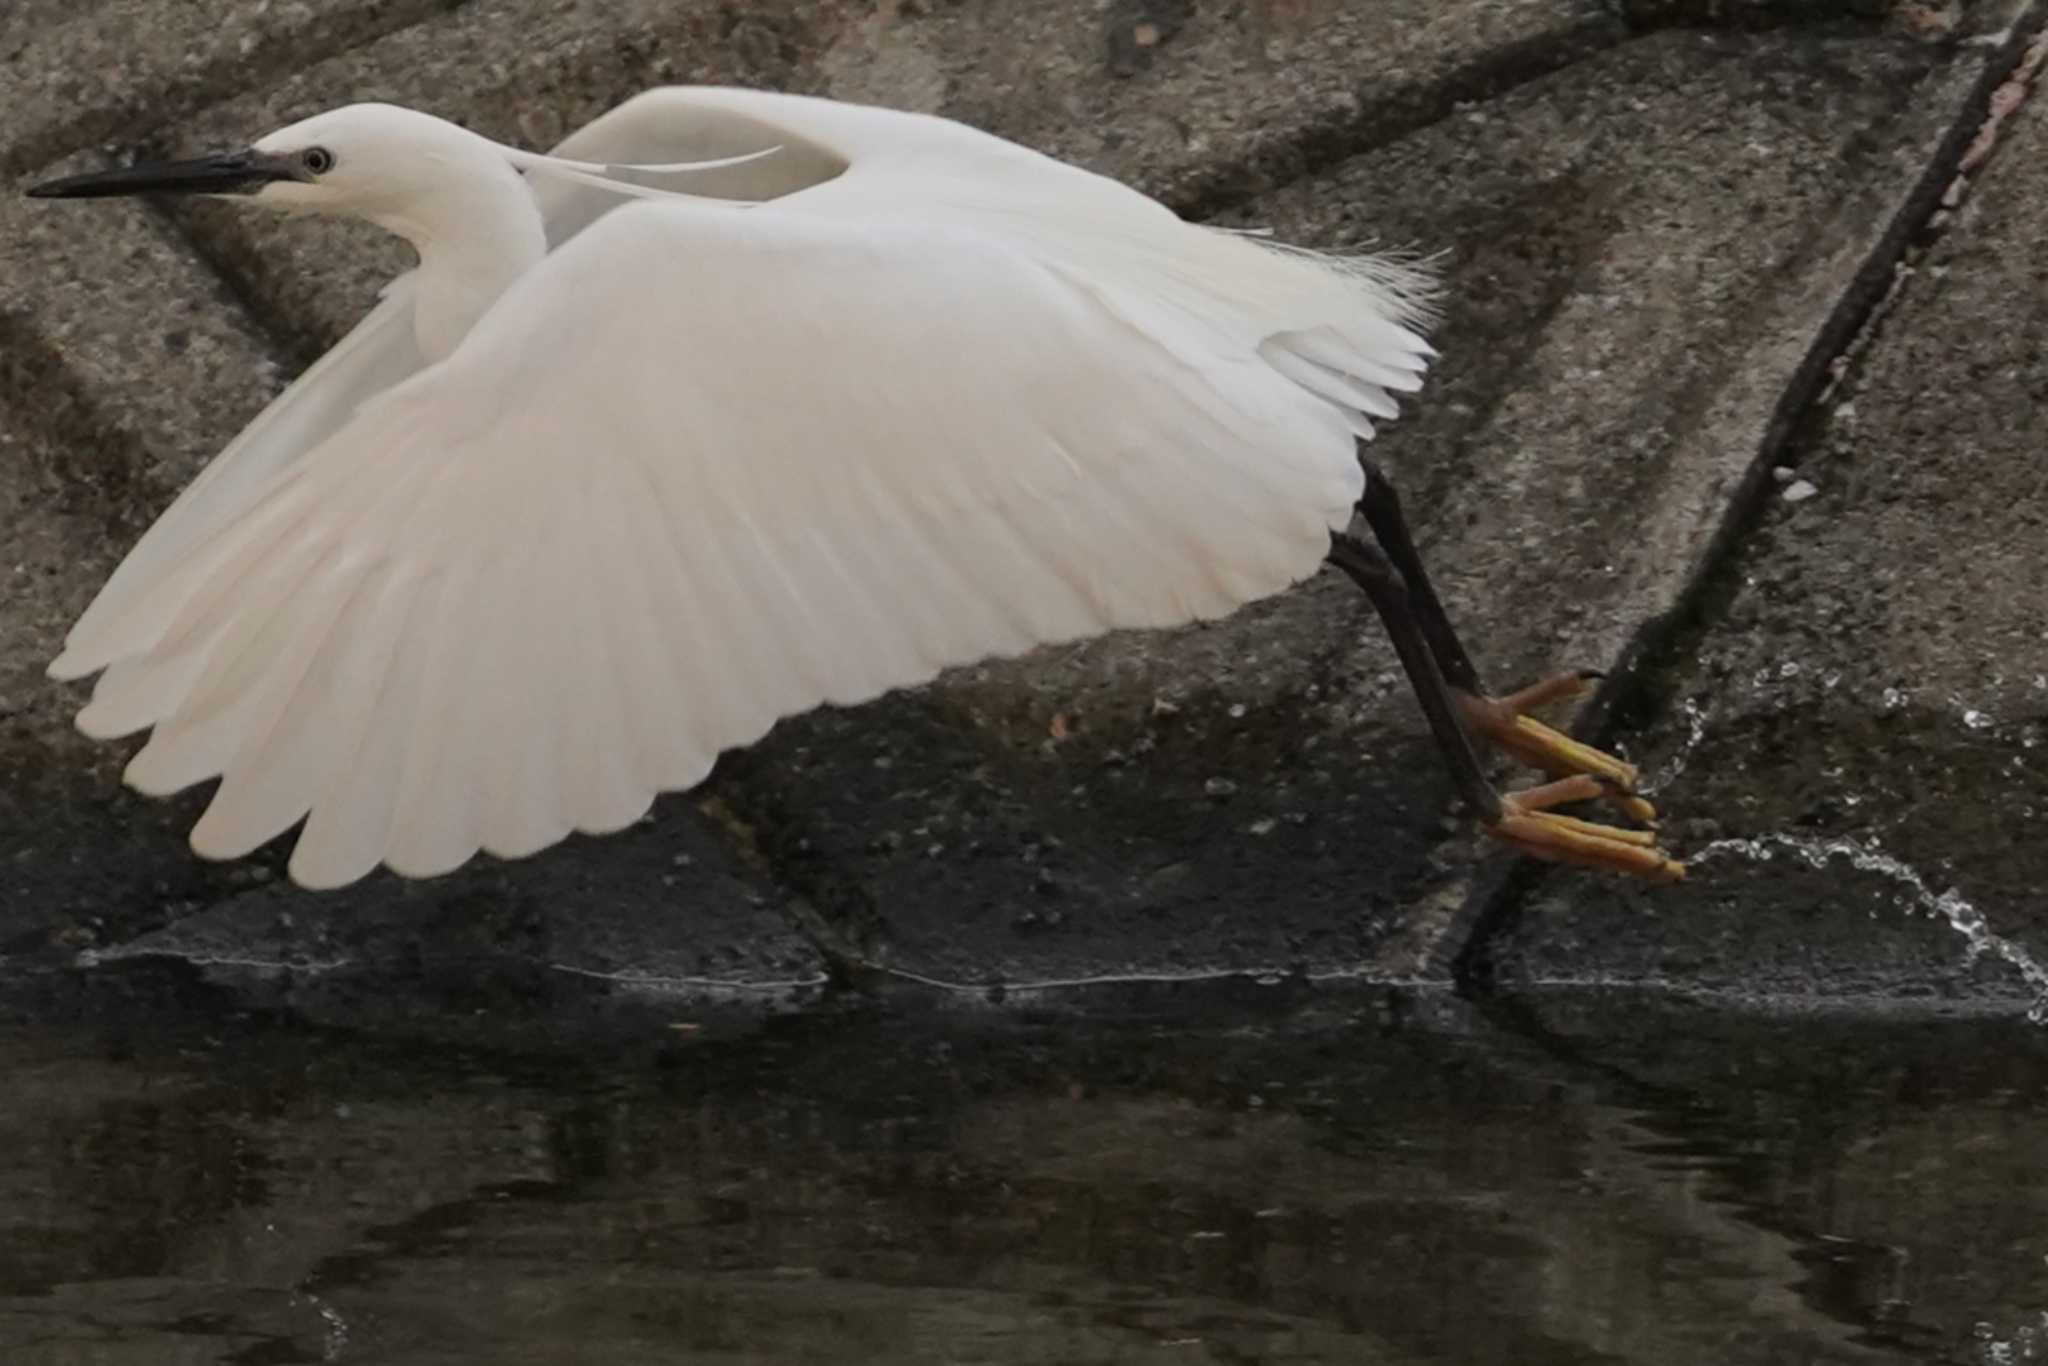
<point x="475" y="236"/>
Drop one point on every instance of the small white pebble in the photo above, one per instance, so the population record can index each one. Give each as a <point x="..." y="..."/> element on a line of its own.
<point x="1800" y="491"/>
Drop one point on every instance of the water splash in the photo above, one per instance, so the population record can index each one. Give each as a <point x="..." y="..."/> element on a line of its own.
<point x="1267" y="975"/>
<point x="1973" y="718"/>
<point x="146" y="948"/>
<point x="719" y="988"/>
<point x="1696" y="718"/>
<point x="1866" y="856"/>
<point x="336" y="1341"/>
<point x="2029" y="1342"/>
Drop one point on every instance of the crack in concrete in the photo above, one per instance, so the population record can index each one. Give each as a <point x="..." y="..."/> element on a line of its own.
<point x="83" y="448"/>
<point x="2004" y="101"/>
<point x="294" y="349"/>
<point x="1315" y="148"/>
<point x="1801" y="412"/>
<point x="1379" y="123"/>
<point x="1650" y="16"/>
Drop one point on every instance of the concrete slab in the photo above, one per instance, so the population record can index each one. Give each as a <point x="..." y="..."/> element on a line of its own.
<point x="1261" y="793"/>
<point x="76" y="72"/>
<point x="1856" y="730"/>
<point x="1257" y="796"/>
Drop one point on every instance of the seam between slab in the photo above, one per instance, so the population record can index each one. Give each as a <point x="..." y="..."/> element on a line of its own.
<point x="1719" y="16"/>
<point x="1875" y="285"/>
<point x="2007" y="103"/>
<point x="1383" y="121"/>
<point x="295" y="348"/>
<point x="187" y="93"/>
<point x="45" y="396"/>
<point x="1387" y="119"/>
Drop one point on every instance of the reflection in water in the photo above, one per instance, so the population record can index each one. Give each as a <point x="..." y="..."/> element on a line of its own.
<point x="1368" y="1176"/>
<point x="1865" y="856"/>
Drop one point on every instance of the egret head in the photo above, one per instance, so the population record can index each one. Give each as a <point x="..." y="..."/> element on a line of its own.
<point x="365" y="159"/>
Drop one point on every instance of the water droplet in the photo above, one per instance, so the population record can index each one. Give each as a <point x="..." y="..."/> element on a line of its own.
<point x="1696" y="731"/>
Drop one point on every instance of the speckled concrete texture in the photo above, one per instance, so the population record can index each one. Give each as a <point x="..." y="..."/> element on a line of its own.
<point x="1662" y="224"/>
<point x="1867" y="699"/>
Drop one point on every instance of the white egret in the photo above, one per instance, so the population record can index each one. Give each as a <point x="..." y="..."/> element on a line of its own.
<point x="740" y="404"/>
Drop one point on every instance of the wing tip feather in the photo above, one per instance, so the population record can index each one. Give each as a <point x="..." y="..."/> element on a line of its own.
<point x="71" y="665"/>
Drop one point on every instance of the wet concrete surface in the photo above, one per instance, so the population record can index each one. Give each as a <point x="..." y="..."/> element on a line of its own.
<point x="1237" y="1174"/>
<point x="1660" y="225"/>
<point x="1145" y="1001"/>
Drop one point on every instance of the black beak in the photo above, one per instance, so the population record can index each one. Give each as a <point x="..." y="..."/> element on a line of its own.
<point x="221" y="173"/>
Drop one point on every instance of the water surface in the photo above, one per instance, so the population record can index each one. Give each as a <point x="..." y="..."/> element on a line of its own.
<point x="1221" y="1172"/>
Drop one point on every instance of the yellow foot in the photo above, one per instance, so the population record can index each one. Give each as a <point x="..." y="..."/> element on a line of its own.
<point x="1502" y="720"/>
<point x="1527" y="823"/>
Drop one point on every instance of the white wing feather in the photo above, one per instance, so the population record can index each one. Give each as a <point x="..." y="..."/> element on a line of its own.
<point x="656" y="126"/>
<point x="377" y="353"/>
<point x="701" y="470"/>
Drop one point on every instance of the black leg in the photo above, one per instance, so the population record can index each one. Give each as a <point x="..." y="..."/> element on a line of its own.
<point x="1457" y="707"/>
<point x="1382" y="509"/>
<point x="1392" y="597"/>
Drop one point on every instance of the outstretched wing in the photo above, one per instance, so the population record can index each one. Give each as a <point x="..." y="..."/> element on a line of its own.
<point x="702" y="469"/>
<point x="376" y="354"/>
<point x="659" y="126"/>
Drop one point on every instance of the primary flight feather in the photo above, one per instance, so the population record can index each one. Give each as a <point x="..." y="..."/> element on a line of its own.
<point x="738" y="404"/>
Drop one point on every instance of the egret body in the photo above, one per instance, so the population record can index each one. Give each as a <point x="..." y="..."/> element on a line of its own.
<point x="738" y="404"/>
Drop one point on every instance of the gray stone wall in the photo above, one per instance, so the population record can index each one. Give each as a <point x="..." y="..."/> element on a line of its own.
<point x="1733" y="404"/>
